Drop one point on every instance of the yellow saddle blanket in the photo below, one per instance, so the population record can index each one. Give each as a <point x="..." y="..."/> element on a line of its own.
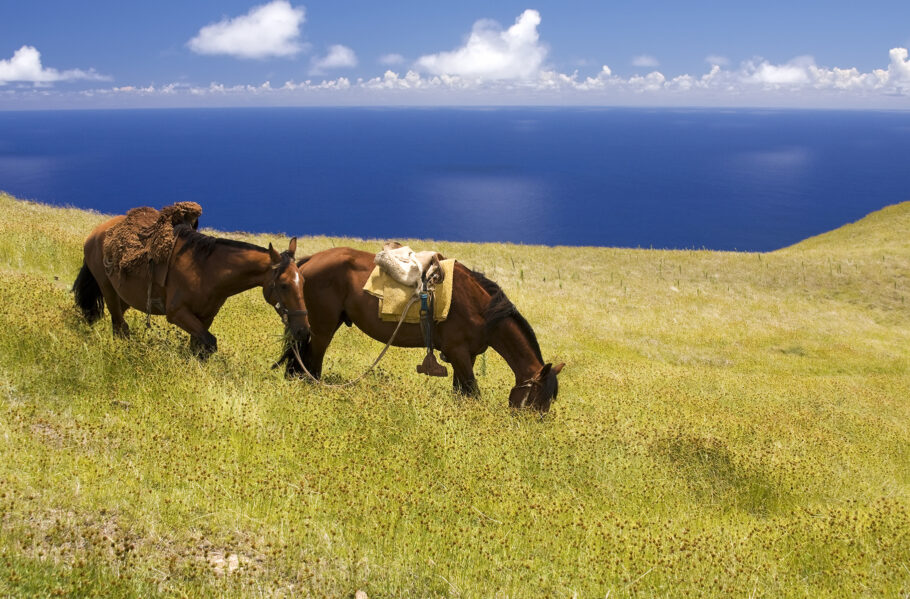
<point x="393" y="296"/>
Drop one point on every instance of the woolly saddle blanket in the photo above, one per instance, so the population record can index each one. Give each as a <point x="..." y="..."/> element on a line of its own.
<point x="146" y="235"/>
<point x="394" y="296"/>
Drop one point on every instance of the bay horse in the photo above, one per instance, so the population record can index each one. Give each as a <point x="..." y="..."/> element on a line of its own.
<point x="480" y="316"/>
<point x="203" y="272"/>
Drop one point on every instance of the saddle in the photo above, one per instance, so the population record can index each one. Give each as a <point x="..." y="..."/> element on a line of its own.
<point x="406" y="266"/>
<point x="146" y="235"/>
<point x="141" y="244"/>
<point x="422" y="271"/>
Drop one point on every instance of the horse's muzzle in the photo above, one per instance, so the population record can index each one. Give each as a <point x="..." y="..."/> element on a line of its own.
<point x="300" y="333"/>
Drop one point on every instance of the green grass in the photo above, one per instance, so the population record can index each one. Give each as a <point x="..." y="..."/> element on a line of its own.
<point x="727" y="424"/>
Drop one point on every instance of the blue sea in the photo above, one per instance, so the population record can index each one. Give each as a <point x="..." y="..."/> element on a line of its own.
<point x="717" y="179"/>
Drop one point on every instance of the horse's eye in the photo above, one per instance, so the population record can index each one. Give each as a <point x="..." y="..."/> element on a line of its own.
<point x="284" y="286"/>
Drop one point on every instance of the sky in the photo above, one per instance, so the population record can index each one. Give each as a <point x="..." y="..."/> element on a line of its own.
<point x="114" y="54"/>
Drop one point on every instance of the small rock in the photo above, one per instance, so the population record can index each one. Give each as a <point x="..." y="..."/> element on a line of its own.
<point x="360" y="595"/>
<point x="233" y="562"/>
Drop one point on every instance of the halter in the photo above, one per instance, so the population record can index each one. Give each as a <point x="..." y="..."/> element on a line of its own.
<point x="528" y="384"/>
<point x="280" y="308"/>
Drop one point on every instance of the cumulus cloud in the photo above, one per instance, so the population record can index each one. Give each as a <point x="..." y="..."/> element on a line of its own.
<point x="271" y="29"/>
<point x="794" y="72"/>
<point x="899" y="69"/>
<point x="645" y="60"/>
<point x="391" y="59"/>
<point x="493" y="54"/>
<point x="25" y="66"/>
<point x="338" y="57"/>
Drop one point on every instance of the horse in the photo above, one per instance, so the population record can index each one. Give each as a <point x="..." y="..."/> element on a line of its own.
<point x="480" y="316"/>
<point x="203" y="271"/>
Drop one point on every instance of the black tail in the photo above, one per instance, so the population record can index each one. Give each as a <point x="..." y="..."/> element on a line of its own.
<point x="88" y="295"/>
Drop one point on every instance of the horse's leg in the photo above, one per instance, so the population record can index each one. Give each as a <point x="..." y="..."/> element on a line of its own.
<point x="202" y="343"/>
<point x="463" y="380"/>
<point x="314" y="353"/>
<point x="115" y="305"/>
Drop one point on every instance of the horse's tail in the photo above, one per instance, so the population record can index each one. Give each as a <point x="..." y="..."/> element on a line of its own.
<point x="88" y="295"/>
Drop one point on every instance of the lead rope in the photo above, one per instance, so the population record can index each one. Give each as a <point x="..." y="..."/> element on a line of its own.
<point x="373" y="365"/>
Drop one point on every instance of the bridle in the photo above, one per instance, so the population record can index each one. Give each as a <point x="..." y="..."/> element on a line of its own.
<point x="528" y="384"/>
<point x="280" y="308"/>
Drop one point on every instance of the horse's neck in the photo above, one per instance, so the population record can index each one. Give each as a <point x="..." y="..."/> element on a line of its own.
<point x="512" y="344"/>
<point x="234" y="270"/>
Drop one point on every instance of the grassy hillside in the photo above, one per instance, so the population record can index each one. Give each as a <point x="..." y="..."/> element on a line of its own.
<point x="728" y="423"/>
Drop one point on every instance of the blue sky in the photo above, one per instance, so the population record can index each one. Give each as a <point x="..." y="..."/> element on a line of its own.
<point x="57" y="54"/>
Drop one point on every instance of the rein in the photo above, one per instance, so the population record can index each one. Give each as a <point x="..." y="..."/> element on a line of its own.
<point x="388" y="344"/>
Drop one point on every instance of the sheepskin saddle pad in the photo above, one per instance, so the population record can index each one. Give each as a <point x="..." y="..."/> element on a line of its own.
<point x="397" y="284"/>
<point x="404" y="264"/>
<point x="146" y="235"/>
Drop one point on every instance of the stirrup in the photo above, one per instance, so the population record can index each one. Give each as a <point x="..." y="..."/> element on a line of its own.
<point x="431" y="367"/>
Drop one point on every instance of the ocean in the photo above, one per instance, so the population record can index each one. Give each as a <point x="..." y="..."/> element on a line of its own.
<point x="751" y="180"/>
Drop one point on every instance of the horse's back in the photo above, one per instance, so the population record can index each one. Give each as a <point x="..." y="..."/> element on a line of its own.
<point x="335" y="262"/>
<point x="95" y="239"/>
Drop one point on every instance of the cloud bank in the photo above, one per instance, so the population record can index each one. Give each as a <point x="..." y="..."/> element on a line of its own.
<point x="493" y="54"/>
<point x="267" y="30"/>
<point x="796" y="83"/>
<point x="25" y="66"/>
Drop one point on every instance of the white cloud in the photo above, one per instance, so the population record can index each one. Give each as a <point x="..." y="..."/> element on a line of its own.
<point x="493" y="54"/>
<point x="899" y="69"/>
<point x="716" y="59"/>
<point x="271" y="29"/>
<point x="653" y="81"/>
<point x="645" y="60"/>
<point x="391" y="59"/>
<point x="338" y="57"/>
<point x="25" y="66"/>
<point x="793" y="73"/>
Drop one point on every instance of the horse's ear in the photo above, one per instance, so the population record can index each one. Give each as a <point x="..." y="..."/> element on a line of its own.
<point x="558" y="368"/>
<point x="544" y="371"/>
<point x="292" y="247"/>
<point x="273" y="253"/>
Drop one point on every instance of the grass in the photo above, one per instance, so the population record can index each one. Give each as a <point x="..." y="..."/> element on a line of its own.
<point x="727" y="424"/>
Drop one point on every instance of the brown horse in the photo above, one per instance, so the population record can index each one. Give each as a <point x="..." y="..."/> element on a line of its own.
<point x="202" y="273"/>
<point x="481" y="316"/>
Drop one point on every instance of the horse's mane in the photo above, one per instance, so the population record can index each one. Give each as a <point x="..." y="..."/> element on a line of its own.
<point x="501" y="308"/>
<point x="203" y="245"/>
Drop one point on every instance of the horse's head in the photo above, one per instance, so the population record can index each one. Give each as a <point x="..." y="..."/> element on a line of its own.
<point x="285" y="292"/>
<point x="538" y="391"/>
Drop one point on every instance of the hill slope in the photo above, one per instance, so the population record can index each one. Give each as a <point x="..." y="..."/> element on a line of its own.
<point x="727" y="423"/>
<point x="885" y="229"/>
